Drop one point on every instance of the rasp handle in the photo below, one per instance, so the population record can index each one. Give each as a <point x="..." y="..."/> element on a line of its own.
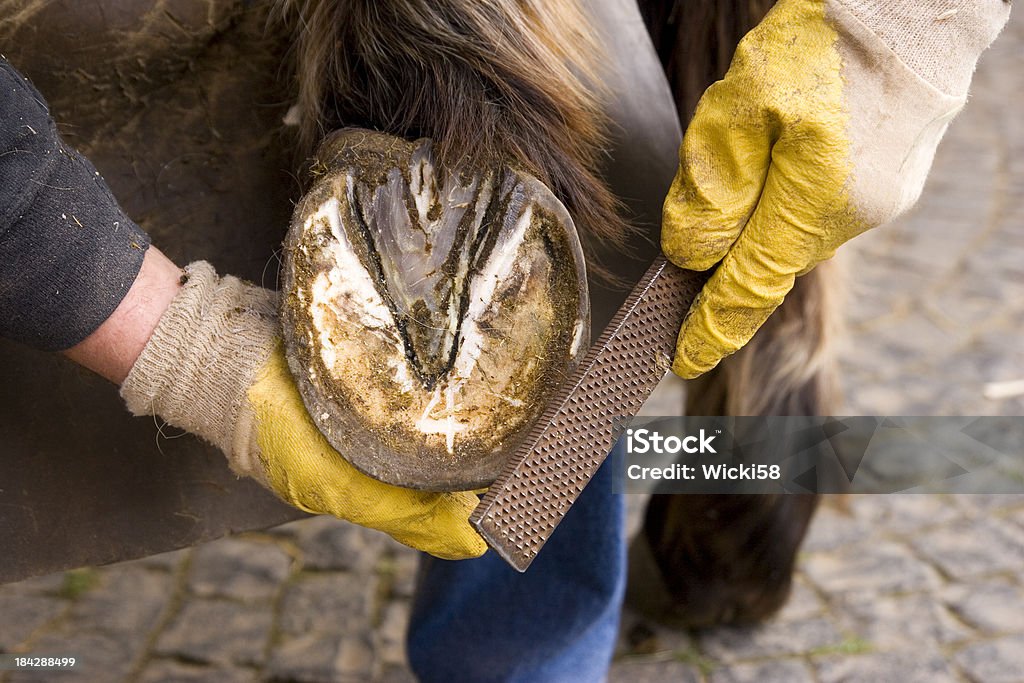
<point x="576" y="432"/>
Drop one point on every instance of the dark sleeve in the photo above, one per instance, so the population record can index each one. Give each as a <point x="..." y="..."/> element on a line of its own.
<point x="68" y="253"/>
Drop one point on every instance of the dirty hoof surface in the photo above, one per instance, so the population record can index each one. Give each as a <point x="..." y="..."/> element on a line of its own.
<point x="428" y="314"/>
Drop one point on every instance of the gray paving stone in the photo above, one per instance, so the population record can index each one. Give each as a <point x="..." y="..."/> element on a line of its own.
<point x="328" y="543"/>
<point x="889" y="396"/>
<point x="405" y="563"/>
<point x="100" y="658"/>
<point x="918" y="666"/>
<point x="321" y="658"/>
<point x="328" y="603"/>
<point x="773" y="639"/>
<point x="785" y="671"/>
<point x="975" y="309"/>
<point x="217" y="631"/>
<point x="907" y="340"/>
<point x="126" y="603"/>
<point x="239" y="569"/>
<point x="974" y="506"/>
<point x="902" y="514"/>
<point x="995" y="607"/>
<point x="994" y="661"/>
<point x="23" y="613"/>
<point x="178" y="672"/>
<point x="106" y="627"/>
<point x="803" y="603"/>
<point x="391" y="633"/>
<point x="873" y="567"/>
<point x="1017" y="518"/>
<point x="648" y="670"/>
<point x="896" y="622"/>
<point x="974" y="548"/>
<point x="833" y="529"/>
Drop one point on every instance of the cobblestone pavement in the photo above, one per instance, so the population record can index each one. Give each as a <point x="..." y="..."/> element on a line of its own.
<point x="907" y="588"/>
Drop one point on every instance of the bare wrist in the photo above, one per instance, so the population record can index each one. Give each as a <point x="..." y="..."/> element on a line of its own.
<point x="112" y="349"/>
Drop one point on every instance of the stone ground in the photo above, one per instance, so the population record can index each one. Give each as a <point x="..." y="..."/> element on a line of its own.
<point x="907" y="588"/>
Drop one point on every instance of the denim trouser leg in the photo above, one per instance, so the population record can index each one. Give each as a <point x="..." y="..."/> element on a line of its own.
<point x="480" y="620"/>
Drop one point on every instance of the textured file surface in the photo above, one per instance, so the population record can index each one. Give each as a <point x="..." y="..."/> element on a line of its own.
<point x="575" y="434"/>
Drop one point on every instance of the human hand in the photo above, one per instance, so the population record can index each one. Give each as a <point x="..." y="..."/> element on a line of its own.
<point x="214" y="367"/>
<point x="824" y="126"/>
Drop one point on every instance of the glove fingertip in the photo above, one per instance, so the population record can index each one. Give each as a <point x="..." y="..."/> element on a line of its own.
<point x="684" y="369"/>
<point x="462" y="544"/>
<point x="698" y="350"/>
<point x="475" y="546"/>
<point x="463" y="541"/>
<point x="686" y="364"/>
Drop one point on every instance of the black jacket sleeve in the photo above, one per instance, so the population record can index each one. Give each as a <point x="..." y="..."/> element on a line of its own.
<point x="68" y="253"/>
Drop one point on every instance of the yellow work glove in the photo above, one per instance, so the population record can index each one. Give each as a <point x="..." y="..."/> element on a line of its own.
<point x="824" y="126"/>
<point x="215" y="367"/>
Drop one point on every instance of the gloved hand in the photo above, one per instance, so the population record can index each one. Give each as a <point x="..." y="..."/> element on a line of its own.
<point x="824" y="126"/>
<point x="215" y="367"/>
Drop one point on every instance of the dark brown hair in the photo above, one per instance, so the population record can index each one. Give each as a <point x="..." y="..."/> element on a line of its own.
<point x="695" y="40"/>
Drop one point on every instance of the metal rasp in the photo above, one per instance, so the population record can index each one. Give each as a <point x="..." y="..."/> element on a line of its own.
<point x="576" y="432"/>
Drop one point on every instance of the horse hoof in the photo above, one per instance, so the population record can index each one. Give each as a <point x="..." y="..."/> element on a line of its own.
<point x="428" y="312"/>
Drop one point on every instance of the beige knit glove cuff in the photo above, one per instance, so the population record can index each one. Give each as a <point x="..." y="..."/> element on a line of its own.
<point x="201" y="360"/>
<point x="940" y="40"/>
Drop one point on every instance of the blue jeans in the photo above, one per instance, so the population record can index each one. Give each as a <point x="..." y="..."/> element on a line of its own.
<point x="480" y="620"/>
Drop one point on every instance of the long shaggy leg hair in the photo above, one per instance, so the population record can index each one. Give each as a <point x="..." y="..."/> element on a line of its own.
<point x="730" y="559"/>
<point x="490" y="81"/>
